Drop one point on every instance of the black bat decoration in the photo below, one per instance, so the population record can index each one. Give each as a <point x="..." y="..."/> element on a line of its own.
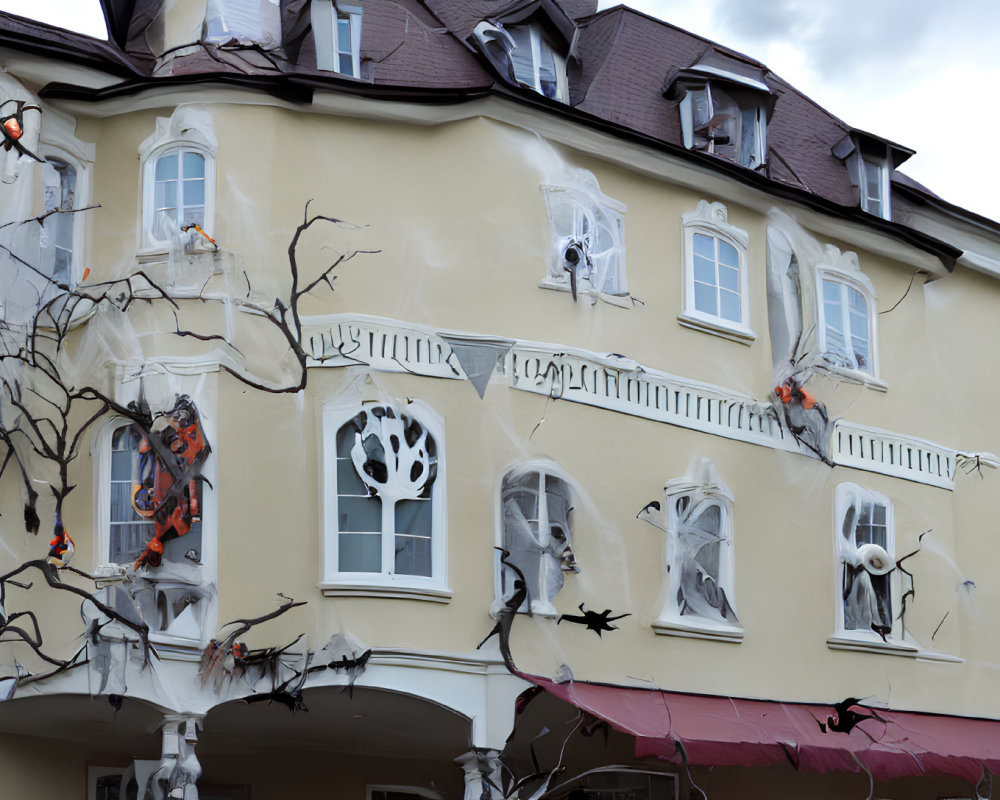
<point x="847" y="718"/>
<point x="293" y="700"/>
<point x="594" y="621"/>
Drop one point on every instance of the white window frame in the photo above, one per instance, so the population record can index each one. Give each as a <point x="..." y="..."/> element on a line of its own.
<point x="544" y="468"/>
<point x="101" y="457"/>
<point x="858" y="281"/>
<point x="711" y="219"/>
<point x="538" y="41"/>
<point x="332" y="581"/>
<point x="584" y="196"/>
<point x="705" y="488"/>
<point x="852" y="637"/>
<point x="866" y="164"/>
<point x="758" y="153"/>
<point x="188" y="129"/>
<point x="326" y="17"/>
<point x="81" y="199"/>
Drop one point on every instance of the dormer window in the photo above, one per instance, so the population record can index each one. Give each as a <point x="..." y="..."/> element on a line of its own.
<point x="870" y="161"/>
<point x="727" y="121"/>
<point x="337" y="30"/>
<point x="875" y="186"/>
<point x="536" y="64"/>
<point x="724" y="105"/>
<point x="256" y="21"/>
<point x="525" y="55"/>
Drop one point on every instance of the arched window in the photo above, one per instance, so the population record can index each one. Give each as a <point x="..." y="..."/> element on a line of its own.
<point x="716" y="294"/>
<point x="536" y="506"/>
<point x="847" y="321"/>
<point x="384" y="513"/>
<point x="178" y="182"/>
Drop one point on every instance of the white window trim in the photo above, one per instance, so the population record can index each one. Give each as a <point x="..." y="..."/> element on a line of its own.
<point x="844" y="638"/>
<point x="540" y="606"/>
<point x="334" y="583"/>
<point x="325" y="16"/>
<point x="562" y="83"/>
<point x="866" y="163"/>
<point x="189" y="128"/>
<point x="81" y="200"/>
<point x="101" y="456"/>
<point x="859" y="281"/>
<point x="671" y="622"/>
<point x="686" y="108"/>
<point x="711" y="219"/>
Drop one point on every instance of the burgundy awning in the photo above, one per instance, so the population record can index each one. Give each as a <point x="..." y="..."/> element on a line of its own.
<point x="726" y="731"/>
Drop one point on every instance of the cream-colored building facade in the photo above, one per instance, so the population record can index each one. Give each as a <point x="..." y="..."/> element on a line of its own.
<point x="778" y="478"/>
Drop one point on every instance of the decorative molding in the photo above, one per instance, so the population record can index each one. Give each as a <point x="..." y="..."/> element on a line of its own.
<point x="386" y="590"/>
<point x="673" y="627"/>
<point x="616" y="383"/>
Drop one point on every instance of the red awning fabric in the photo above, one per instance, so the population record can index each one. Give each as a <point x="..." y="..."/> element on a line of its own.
<point x="726" y="731"/>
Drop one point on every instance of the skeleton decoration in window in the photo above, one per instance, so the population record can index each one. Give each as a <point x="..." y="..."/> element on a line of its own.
<point x="536" y="508"/>
<point x="724" y="108"/>
<point x="587" y="257"/>
<point x="525" y="55"/>
<point x="697" y="516"/>
<point x="821" y="311"/>
<point x="155" y="519"/>
<point x="865" y="546"/>
<point x="387" y="464"/>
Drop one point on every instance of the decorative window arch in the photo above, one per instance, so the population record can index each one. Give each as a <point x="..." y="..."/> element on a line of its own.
<point x="535" y="525"/>
<point x="697" y="516"/>
<point x="866" y="579"/>
<point x="716" y="282"/>
<point x="588" y="240"/>
<point x="178" y="181"/>
<point x="176" y="596"/>
<point x="384" y="511"/>
<point x="847" y="313"/>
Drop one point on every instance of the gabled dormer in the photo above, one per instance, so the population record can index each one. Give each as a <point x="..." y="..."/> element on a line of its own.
<point x="724" y="107"/>
<point x="528" y="45"/>
<point x="870" y="161"/>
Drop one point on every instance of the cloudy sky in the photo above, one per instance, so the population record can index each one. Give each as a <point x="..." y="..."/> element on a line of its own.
<point x="924" y="73"/>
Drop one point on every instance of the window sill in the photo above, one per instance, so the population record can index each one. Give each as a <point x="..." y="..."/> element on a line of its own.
<point x="620" y="300"/>
<point x="718" y="327"/>
<point x="384" y="590"/>
<point x="175" y="648"/>
<point x="874" y="644"/>
<point x="716" y="633"/>
<point x="852" y="376"/>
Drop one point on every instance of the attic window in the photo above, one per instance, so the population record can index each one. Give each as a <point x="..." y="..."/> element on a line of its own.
<point x="727" y="120"/>
<point x="257" y="21"/>
<point x="337" y="29"/>
<point x="525" y="56"/>
<point x="874" y="183"/>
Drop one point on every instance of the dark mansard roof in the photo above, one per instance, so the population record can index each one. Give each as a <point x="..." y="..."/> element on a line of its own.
<point x="623" y="68"/>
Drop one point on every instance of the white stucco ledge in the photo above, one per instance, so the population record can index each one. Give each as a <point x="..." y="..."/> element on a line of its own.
<point x="692" y="630"/>
<point x="890" y="648"/>
<point x="381" y="590"/>
<point x="734" y="333"/>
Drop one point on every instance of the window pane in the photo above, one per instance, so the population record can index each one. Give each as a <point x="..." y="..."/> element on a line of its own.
<point x="165" y="194"/>
<point x="729" y="278"/>
<point x="346" y="64"/>
<point x="344" y="35"/>
<point x="413" y="556"/>
<point x="521" y="57"/>
<point x="128" y="542"/>
<point x="194" y="192"/>
<point x="359" y="514"/>
<point x="728" y="255"/>
<point x="704" y="246"/>
<point x="166" y="168"/>
<point x="705" y="299"/>
<point x="194" y="165"/>
<point x="121" y="502"/>
<point x="704" y="270"/>
<point x="729" y="306"/>
<point x="831" y="291"/>
<point x="348" y="481"/>
<point x="194" y="215"/>
<point x="359" y="552"/>
<point x="414" y="517"/>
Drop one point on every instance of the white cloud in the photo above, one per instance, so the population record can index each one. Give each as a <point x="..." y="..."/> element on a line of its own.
<point x="82" y="16"/>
